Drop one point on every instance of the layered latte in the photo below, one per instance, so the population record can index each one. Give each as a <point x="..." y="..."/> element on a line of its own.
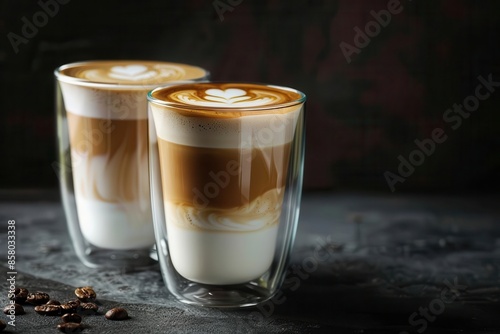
<point x="224" y="152"/>
<point x="106" y="108"/>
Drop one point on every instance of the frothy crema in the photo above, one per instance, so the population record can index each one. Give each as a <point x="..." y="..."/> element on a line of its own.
<point x="131" y="72"/>
<point x="208" y="96"/>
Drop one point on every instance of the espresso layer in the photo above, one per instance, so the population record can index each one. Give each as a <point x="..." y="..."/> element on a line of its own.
<point x="220" y="178"/>
<point x="109" y="158"/>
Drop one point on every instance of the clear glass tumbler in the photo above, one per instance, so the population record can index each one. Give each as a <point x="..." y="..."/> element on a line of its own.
<point x="103" y="156"/>
<point x="226" y="165"/>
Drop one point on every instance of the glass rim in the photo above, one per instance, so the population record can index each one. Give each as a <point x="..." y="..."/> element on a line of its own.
<point x="183" y="106"/>
<point x="117" y="86"/>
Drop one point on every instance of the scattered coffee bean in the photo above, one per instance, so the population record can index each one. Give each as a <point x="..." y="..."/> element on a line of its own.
<point x="72" y="317"/>
<point x="20" y="295"/>
<point x="70" y="327"/>
<point x="89" y="308"/>
<point x="75" y="303"/>
<point x="48" y="309"/>
<point x="117" y="313"/>
<point x="46" y="306"/>
<point x="69" y="307"/>
<point x="37" y="298"/>
<point x="53" y="302"/>
<point x="15" y="309"/>
<point x="85" y="294"/>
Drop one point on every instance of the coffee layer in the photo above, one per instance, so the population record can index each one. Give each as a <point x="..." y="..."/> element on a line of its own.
<point x="109" y="158"/>
<point x="220" y="178"/>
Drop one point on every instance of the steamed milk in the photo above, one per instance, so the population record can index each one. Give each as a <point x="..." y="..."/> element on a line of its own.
<point x="107" y="120"/>
<point x="223" y="177"/>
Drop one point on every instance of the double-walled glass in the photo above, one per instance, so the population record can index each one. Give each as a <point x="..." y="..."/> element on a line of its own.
<point x="103" y="156"/>
<point x="226" y="165"/>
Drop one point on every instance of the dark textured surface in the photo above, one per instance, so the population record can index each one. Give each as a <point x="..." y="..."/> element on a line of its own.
<point x="362" y="264"/>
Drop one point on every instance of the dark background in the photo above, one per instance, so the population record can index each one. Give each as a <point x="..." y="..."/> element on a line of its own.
<point x="360" y="115"/>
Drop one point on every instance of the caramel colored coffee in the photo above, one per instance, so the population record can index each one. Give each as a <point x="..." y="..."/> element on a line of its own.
<point x="224" y="152"/>
<point x="106" y="107"/>
<point x="117" y="145"/>
<point x="211" y="178"/>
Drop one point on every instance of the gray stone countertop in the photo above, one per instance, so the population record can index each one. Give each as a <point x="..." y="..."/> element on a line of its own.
<point x="361" y="264"/>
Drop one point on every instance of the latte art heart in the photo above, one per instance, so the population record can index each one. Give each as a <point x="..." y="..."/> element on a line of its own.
<point x="131" y="72"/>
<point x="228" y="96"/>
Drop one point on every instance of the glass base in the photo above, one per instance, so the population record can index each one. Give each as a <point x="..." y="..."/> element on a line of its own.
<point x="230" y="296"/>
<point x="153" y="253"/>
<point x="129" y="260"/>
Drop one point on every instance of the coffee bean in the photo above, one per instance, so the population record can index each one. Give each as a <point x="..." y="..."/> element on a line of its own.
<point x="74" y="303"/>
<point x="117" y="313"/>
<point x="3" y="324"/>
<point x="72" y="317"/>
<point x="17" y="309"/>
<point x="53" y="302"/>
<point x="37" y="298"/>
<point x="70" y="327"/>
<point x="69" y="307"/>
<point x="89" y="308"/>
<point x="85" y="294"/>
<point x="48" y="309"/>
<point x="20" y="295"/>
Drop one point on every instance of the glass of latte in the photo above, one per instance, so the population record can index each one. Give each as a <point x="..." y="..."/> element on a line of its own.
<point x="103" y="156"/>
<point x="226" y="164"/>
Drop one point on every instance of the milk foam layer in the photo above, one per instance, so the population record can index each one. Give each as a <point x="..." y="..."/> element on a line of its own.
<point x="117" y="89"/>
<point x="235" y="128"/>
<point x="258" y="130"/>
<point x="106" y="104"/>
